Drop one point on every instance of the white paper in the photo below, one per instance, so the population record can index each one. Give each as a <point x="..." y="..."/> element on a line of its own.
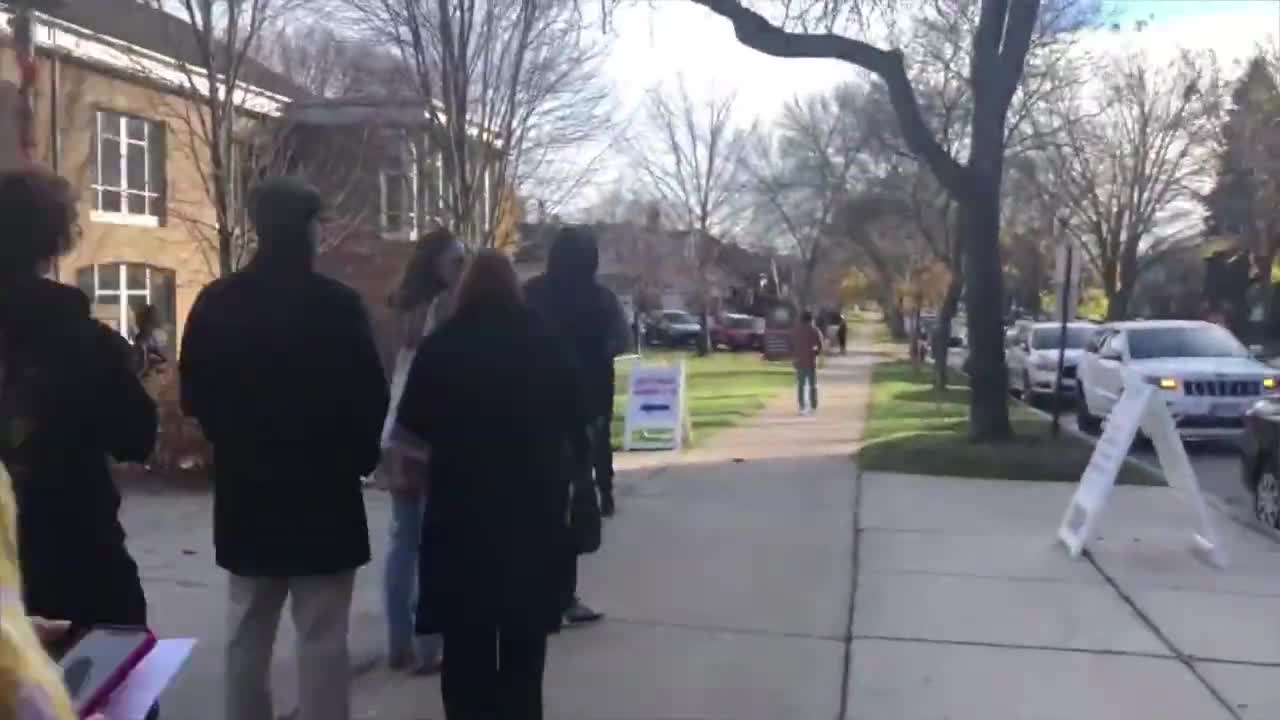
<point x="143" y="686"/>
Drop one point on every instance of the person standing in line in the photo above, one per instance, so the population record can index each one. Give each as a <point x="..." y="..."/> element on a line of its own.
<point x="496" y="396"/>
<point x="806" y="347"/>
<point x="590" y="320"/>
<point x="280" y="368"/>
<point x="423" y="300"/>
<point x="70" y="399"/>
<point x="842" y="334"/>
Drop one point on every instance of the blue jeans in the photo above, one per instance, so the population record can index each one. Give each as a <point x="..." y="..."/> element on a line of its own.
<point x="807" y="376"/>
<point x="400" y="582"/>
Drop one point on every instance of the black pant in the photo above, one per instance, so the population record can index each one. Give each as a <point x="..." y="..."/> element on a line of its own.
<point x="602" y="455"/>
<point x="493" y="671"/>
<point x="569" y="580"/>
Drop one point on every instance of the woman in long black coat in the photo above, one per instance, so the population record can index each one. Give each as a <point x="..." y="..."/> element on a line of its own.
<point x="495" y="395"/>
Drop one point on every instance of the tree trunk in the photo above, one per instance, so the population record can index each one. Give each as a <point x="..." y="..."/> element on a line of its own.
<point x="1035" y="284"/>
<point x="942" y="334"/>
<point x="983" y="293"/>
<point x="1118" y="303"/>
<point x="893" y="315"/>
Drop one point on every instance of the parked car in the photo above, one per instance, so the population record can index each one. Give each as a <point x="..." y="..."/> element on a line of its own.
<point x="1032" y="357"/>
<point x="1207" y="377"/>
<point x="675" y="328"/>
<point x="1260" y="460"/>
<point x="738" y="332"/>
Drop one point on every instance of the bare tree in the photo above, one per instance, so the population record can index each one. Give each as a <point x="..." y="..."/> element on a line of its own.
<point x="508" y="87"/>
<point x="1001" y="41"/>
<point x="800" y="174"/>
<point x="692" y="156"/>
<point x="216" y="37"/>
<point x="1129" y="166"/>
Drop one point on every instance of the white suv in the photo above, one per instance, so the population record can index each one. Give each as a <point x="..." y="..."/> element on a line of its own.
<point x="1032" y="357"/>
<point x="1207" y="377"/>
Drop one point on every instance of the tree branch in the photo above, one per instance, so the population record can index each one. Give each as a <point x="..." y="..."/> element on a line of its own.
<point x="754" y="31"/>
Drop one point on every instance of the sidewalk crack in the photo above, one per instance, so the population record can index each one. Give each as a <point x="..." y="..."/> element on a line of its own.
<point x="842" y="711"/>
<point x="1186" y="660"/>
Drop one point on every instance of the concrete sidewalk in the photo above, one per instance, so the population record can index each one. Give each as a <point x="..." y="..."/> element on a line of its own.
<point x="756" y="578"/>
<point x="726" y="576"/>
<point x="966" y="608"/>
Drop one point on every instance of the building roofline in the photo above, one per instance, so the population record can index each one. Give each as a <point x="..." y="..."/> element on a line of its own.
<point x="59" y="36"/>
<point x="403" y="111"/>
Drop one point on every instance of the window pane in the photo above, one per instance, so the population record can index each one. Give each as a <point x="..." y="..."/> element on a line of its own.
<point x="136" y="303"/>
<point x="110" y="201"/>
<point x="84" y="280"/>
<point x="107" y="311"/>
<point x="164" y="298"/>
<point x="136" y="161"/>
<point x="137" y="129"/>
<point x="135" y="277"/>
<point x="109" y="124"/>
<point x="137" y="204"/>
<point x="109" y="160"/>
<point x="108" y="278"/>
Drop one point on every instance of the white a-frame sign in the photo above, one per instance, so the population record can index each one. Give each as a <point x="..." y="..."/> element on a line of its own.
<point x="1140" y="406"/>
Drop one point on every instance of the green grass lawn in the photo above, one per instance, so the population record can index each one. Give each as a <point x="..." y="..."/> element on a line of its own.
<point x="723" y="388"/>
<point x="911" y="428"/>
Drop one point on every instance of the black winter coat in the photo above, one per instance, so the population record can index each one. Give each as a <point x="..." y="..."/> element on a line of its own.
<point x="497" y="398"/>
<point x="69" y="400"/>
<point x="281" y="371"/>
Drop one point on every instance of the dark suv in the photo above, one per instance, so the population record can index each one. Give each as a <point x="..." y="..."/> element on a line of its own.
<point x="1260" y="459"/>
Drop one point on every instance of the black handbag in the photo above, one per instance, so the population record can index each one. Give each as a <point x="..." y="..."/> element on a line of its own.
<point x="584" y="505"/>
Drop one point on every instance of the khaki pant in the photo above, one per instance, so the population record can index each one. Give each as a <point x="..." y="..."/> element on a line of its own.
<point x="321" y="608"/>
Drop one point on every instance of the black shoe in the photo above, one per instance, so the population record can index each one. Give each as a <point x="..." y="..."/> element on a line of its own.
<point x="606" y="505"/>
<point x="579" y="614"/>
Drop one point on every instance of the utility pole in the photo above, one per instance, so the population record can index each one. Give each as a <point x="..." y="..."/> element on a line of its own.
<point x="1066" y="308"/>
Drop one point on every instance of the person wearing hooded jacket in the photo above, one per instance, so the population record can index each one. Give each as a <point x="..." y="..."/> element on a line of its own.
<point x="590" y="320"/>
<point x="69" y="400"/>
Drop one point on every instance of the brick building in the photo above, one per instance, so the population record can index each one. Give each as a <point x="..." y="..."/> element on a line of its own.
<point x="112" y="118"/>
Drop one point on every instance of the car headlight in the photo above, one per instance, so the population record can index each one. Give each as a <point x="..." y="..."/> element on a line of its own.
<point x="1164" y="383"/>
<point x="1270" y="383"/>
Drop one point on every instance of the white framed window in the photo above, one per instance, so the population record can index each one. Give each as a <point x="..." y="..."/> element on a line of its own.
<point x="400" y="211"/>
<point x="128" y="170"/>
<point x="118" y="291"/>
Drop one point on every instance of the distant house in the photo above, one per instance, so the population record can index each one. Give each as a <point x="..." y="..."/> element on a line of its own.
<point x="644" y="262"/>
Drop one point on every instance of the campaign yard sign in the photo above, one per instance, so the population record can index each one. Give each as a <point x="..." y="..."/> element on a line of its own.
<point x="655" y="417"/>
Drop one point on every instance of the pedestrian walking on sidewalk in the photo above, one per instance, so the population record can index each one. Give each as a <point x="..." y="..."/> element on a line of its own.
<point x="422" y="302"/>
<point x="70" y="399"/>
<point x="280" y="368"/>
<point x="806" y="348"/>
<point x="591" y="322"/>
<point x="497" y="397"/>
<point x="842" y="334"/>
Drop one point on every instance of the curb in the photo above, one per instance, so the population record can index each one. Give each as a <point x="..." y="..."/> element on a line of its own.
<point x="1232" y="513"/>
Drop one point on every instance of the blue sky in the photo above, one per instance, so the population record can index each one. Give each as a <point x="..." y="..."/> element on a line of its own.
<point x="1172" y="9"/>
